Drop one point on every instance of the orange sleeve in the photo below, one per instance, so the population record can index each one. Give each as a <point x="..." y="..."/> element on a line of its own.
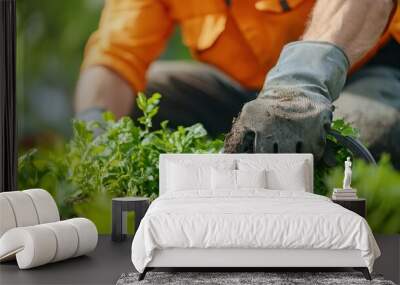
<point x="131" y="34"/>
<point x="395" y="25"/>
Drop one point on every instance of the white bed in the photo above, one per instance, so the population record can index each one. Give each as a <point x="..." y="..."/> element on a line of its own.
<point x="205" y="226"/>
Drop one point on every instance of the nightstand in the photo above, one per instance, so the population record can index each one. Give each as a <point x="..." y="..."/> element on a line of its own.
<point x="358" y="206"/>
<point x="119" y="208"/>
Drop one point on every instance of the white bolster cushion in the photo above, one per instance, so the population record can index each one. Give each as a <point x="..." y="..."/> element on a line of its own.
<point x="26" y="208"/>
<point x="32" y="246"/>
<point x="7" y="219"/>
<point x="24" y="211"/>
<point x="66" y="238"/>
<point x="45" y="205"/>
<point x="87" y="235"/>
<point x="40" y="244"/>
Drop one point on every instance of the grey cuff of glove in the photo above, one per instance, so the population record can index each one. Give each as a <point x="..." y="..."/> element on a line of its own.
<point x="91" y="114"/>
<point x="315" y="66"/>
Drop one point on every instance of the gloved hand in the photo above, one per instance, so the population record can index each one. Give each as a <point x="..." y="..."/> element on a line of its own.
<point x="293" y="111"/>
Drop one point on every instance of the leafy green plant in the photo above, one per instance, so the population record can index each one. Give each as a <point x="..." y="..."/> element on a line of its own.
<point x="344" y="128"/>
<point x="122" y="160"/>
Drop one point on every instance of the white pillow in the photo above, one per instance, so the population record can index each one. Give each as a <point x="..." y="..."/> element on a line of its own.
<point x="187" y="174"/>
<point x="251" y="178"/>
<point x="226" y="179"/>
<point x="281" y="175"/>
<point x="223" y="179"/>
<point x="183" y="178"/>
<point x="294" y="179"/>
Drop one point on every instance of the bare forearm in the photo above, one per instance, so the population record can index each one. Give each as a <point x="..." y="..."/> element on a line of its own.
<point x="353" y="25"/>
<point x="101" y="87"/>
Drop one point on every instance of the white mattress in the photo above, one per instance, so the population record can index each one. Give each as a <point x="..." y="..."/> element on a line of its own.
<point x="252" y="219"/>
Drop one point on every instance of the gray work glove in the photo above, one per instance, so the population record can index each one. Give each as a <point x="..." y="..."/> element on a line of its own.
<point x="293" y="111"/>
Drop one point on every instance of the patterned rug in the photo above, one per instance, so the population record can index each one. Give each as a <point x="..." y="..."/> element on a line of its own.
<point x="243" y="278"/>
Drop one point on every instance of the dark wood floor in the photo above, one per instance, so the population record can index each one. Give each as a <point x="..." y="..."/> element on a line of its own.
<point x="110" y="260"/>
<point x="103" y="266"/>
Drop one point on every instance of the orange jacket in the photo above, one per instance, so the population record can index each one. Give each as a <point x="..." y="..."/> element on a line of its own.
<point x="244" y="39"/>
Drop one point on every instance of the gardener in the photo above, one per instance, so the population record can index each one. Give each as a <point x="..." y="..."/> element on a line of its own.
<point x="239" y="42"/>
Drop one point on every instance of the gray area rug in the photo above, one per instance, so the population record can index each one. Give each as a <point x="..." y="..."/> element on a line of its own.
<point x="269" y="278"/>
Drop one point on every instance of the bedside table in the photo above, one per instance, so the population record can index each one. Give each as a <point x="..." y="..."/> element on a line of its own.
<point x="119" y="208"/>
<point x="358" y="206"/>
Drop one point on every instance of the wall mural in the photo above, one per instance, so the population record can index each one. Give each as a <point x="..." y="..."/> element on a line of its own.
<point x="84" y="135"/>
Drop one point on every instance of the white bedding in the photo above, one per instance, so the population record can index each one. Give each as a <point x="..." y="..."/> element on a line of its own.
<point x="252" y="218"/>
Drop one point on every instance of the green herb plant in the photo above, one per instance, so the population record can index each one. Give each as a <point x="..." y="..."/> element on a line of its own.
<point x="123" y="159"/>
<point x="83" y="174"/>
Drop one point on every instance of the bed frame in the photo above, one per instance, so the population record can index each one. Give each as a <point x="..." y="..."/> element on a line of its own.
<point x="246" y="259"/>
<point x="249" y="259"/>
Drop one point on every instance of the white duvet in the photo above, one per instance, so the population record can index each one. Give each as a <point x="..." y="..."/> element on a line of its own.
<point x="250" y="219"/>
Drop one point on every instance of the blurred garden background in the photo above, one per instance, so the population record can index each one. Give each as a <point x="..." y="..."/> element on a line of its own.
<point x="51" y="36"/>
<point x="83" y="172"/>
